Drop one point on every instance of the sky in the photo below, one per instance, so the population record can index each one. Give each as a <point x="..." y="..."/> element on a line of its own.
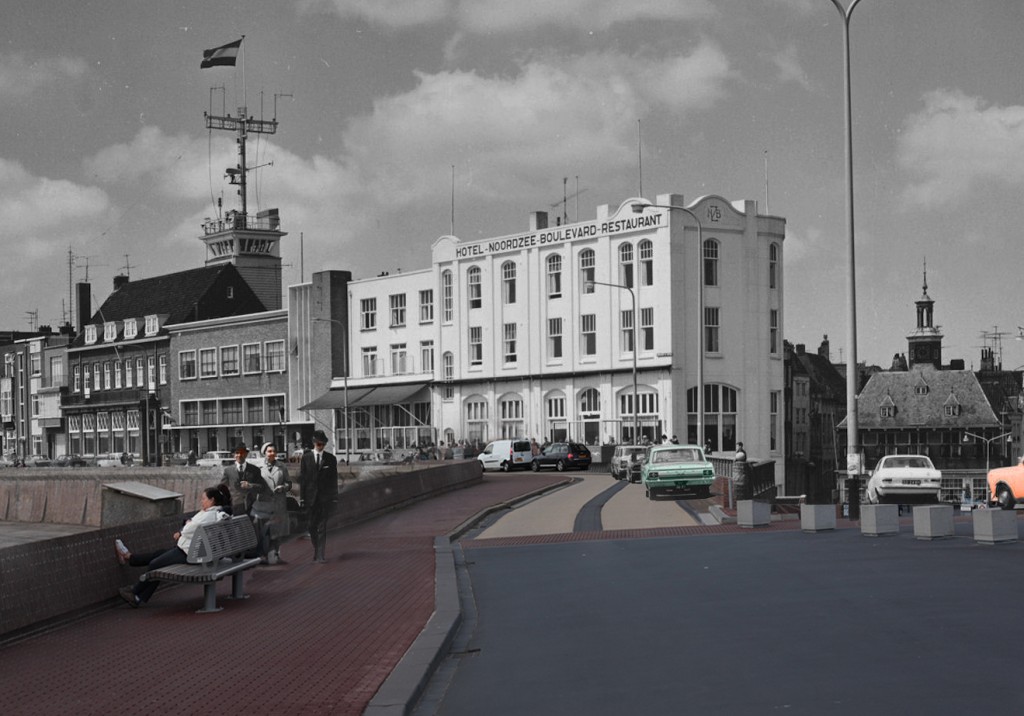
<point x="104" y="153"/>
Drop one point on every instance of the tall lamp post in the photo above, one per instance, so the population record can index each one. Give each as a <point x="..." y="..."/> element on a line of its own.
<point x="638" y="208"/>
<point x="344" y="335"/>
<point x="852" y="436"/>
<point x="988" y="444"/>
<point x="636" y="404"/>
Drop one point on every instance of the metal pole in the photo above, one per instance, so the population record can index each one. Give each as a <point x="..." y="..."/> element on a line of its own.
<point x="636" y="347"/>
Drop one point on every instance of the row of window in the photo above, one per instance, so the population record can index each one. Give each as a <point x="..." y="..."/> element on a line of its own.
<point x="227" y="361"/>
<point x="255" y="410"/>
<point x="397" y="306"/>
<point x="116" y="374"/>
<point x="130" y="326"/>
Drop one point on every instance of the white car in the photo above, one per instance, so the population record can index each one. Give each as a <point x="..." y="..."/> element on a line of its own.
<point x="216" y="458"/>
<point x="904" y="479"/>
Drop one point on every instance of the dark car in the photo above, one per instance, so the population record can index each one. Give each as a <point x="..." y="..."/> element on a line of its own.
<point x="562" y="456"/>
<point x="71" y="461"/>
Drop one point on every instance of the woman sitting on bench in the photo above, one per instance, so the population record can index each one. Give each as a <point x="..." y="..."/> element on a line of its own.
<point x="213" y="501"/>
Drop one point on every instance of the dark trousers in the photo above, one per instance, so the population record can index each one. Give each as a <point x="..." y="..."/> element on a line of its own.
<point x="319" y="512"/>
<point x="154" y="560"/>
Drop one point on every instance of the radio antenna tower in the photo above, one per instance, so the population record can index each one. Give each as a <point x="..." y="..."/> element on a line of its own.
<point x="243" y="126"/>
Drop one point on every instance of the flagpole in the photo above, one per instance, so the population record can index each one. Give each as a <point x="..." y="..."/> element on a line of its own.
<point x="244" y="97"/>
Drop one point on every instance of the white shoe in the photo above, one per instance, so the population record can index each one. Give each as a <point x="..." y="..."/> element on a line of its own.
<point x="122" y="552"/>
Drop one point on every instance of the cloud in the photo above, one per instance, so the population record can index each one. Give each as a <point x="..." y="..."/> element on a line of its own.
<point x="505" y="132"/>
<point x="788" y="64"/>
<point x="20" y="77"/>
<point x="487" y="16"/>
<point x="33" y="207"/>
<point x="957" y="144"/>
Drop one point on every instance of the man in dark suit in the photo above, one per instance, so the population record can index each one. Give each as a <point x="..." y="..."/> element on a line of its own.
<point x="238" y="476"/>
<point x="318" y="478"/>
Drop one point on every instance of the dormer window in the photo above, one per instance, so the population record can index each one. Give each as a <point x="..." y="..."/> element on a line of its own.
<point x="90" y="334"/>
<point x="110" y="331"/>
<point x="231" y="292"/>
<point x="131" y="328"/>
<point x="152" y="325"/>
<point x="951" y="408"/>
<point x="888" y="408"/>
<point x="921" y="389"/>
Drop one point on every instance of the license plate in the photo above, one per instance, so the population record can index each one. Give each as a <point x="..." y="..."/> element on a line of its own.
<point x="911" y="482"/>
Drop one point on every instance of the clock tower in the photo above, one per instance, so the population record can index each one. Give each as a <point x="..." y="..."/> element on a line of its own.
<point x="924" y="343"/>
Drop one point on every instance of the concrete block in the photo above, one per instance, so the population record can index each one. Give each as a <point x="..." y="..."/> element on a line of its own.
<point x="995" y="526"/>
<point x="878" y="520"/>
<point x="753" y="513"/>
<point x="933" y="521"/>
<point x="817" y="518"/>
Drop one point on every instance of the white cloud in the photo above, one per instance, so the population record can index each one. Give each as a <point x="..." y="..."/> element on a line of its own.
<point x="20" y="76"/>
<point x="958" y="143"/>
<point x="32" y="207"/>
<point x="484" y="16"/>
<point x="787" y="61"/>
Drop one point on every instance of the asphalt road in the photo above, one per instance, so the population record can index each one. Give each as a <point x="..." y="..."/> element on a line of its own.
<point x="762" y="621"/>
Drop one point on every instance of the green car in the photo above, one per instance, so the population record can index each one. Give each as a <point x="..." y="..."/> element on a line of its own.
<point x="677" y="468"/>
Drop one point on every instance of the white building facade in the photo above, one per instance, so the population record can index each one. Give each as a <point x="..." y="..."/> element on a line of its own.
<point x="535" y="334"/>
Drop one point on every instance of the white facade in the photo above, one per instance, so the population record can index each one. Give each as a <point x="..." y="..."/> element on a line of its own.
<point x="509" y="337"/>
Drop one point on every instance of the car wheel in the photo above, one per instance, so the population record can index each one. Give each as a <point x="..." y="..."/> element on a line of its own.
<point x="1005" y="497"/>
<point x="535" y="466"/>
<point x="560" y="465"/>
<point x="505" y="466"/>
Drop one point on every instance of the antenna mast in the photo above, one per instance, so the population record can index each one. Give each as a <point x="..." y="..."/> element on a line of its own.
<point x="243" y="125"/>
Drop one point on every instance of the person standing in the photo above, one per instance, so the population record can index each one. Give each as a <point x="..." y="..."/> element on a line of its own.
<point x="270" y="504"/>
<point x="241" y="471"/>
<point x="318" y="478"/>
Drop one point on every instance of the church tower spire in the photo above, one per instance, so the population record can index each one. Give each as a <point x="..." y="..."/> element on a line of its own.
<point x="924" y="343"/>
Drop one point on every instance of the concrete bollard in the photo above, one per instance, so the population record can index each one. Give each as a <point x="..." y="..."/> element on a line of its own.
<point x="817" y="518"/>
<point x="878" y="520"/>
<point x="995" y="526"/>
<point x="933" y="521"/>
<point x="753" y="513"/>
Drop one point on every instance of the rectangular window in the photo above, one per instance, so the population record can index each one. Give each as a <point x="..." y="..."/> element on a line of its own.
<point x="508" y="273"/>
<point x="231" y="411"/>
<point x="110" y="331"/>
<point x="108" y="377"/>
<point x="129" y="370"/>
<point x="773" y="331"/>
<point x="117" y="375"/>
<point x="397" y="310"/>
<point x="209" y="408"/>
<point x="510" y="343"/>
<point x="275" y="407"/>
<point x="163" y="369"/>
<point x="131" y="328"/>
<point x="90" y="334"/>
<point x="426" y="356"/>
<point x="275" y="356"/>
<point x="190" y="413"/>
<point x="587" y="271"/>
<point x="57" y="370"/>
<point x="711" y="328"/>
<point x="97" y="376"/>
<point x="151" y="372"/>
<point x="646" y="263"/>
<point x="556" y="407"/>
<point x="229" y="360"/>
<point x="427" y="306"/>
<point x="251" y="356"/>
<point x="554" y="338"/>
<point x="139" y="376"/>
<point x="152" y="325"/>
<point x="626" y="330"/>
<point x="368" y="314"/>
<point x="399" y="359"/>
<point x="76" y="379"/>
<point x="186" y="366"/>
<point x="476" y="299"/>
<point x="554" y="276"/>
<point x="207" y="363"/>
<point x="647" y="329"/>
<point x="254" y="410"/>
<point x="476" y="345"/>
<point x="370" y="360"/>
<point x="447" y="297"/>
<point x="774" y="404"/>
<point x="588" y="334"/>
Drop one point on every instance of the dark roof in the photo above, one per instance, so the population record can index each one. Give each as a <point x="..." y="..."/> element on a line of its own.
<point x="192" y="295"/>
<point x="920" y="396"/>
<point x="828" y="382"/>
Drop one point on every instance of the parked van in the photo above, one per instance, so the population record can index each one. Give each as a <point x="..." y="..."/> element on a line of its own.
<point x="506" y="455"/>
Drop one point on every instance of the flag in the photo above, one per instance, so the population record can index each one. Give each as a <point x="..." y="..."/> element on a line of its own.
<point x="223" y="55"/>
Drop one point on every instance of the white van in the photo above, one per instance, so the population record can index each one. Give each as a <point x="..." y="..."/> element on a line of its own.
<point x="505" y="455"/>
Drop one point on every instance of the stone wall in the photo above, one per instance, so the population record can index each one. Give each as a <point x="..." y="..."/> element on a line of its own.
<point x="57" y="578"/>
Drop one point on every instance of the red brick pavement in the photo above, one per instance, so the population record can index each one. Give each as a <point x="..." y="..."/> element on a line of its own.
<point x="312" y="639"/>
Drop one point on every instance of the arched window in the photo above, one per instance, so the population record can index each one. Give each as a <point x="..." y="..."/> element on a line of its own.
<point x="557" y="428"/>
<point x="773" y="266"/>
<point x="476" y="418"/>
<point x="447" y="302"/>
<point x="510" y="415"/>
<point x="587" y="271"/>
<point x="626" y="264"/>
<point x="710" y="262"/>
<point x="590" y="401"/>
<point x="646" y="250"/>
<point x="554" y="276"/>
<point x="474" y="287"/>
<point x="719" y="416"/>
<point x="508" y="278"/>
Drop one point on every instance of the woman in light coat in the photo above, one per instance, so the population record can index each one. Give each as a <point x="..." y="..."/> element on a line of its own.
<point x="270" y="505"/>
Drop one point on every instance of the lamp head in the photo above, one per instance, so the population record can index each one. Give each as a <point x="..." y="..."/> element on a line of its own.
<point x="588" y="286"/>
<point x="638" y="207"/>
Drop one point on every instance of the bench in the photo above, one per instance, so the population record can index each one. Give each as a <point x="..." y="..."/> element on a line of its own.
<point x="216" y="552"/>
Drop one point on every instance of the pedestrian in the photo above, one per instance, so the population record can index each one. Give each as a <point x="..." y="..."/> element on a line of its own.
<point x="212" y="503"/>
<point x="675" y="440"/>
<point x="270" y="504"/>
<point x="741" y="454"/>
<point x="238" y="472"/>
<point x="707" y="447"/>
<point x="318" y="478"/>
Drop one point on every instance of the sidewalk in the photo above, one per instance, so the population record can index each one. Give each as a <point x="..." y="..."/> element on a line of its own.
<point x="311" y="639"/>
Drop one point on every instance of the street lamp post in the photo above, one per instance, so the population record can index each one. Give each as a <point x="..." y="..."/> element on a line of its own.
<point x="344" y="335"/>
<point x="636" y="404"/>
<point x="852" y="436"/>
<point x="638" y="208"/>
<point x="988" y="443"/>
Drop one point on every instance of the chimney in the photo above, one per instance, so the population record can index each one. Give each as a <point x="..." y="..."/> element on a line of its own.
<point x="84" y="292"/>
<point x="800" y="349"/>
<point x="538" y="220"/>
<point x="824" y="350"/>
<point x="120" y="281"/>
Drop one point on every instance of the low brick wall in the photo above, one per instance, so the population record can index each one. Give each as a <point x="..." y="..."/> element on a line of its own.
<point x="57" y="578"/>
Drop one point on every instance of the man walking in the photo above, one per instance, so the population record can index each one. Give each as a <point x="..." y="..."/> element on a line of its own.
<point x="239" y="475"/>
<point x="318" y="477"/>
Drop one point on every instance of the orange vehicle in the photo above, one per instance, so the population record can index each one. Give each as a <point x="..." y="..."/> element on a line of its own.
<point x="1006" y="485"/>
